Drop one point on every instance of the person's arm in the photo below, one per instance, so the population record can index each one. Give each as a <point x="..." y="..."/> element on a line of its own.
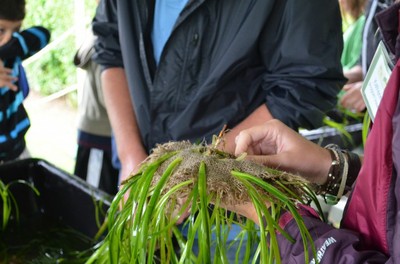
<point x="332" y="245"/>
<point x="25" y="43"/>
<point x="115" y="88"/>
<point x="123" y="121"/>
<point x="301" y="48"/>
<point x="354" y="74"/>
<point x="275" y="144"/>
<point x="22" y="45"/>
<point x="302" y="80"/>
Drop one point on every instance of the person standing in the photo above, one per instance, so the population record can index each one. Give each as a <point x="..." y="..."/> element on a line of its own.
<point x="181" y="70"/>
<point x="94" y="157"/>
<point x="352" y="98"/>
<point x="370" y="229"/>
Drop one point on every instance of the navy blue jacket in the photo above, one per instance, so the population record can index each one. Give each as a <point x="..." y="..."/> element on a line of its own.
<point x="223" y="60"/>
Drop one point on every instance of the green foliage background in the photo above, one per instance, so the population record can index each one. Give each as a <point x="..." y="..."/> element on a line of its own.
<point x="54" y="70"/>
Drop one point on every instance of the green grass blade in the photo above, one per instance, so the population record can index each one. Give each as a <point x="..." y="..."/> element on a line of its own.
<point x="144" y="223"/>
<point x="365" y="127"/>
<point x="205" y="230"/>
<point x="193" y="226"/>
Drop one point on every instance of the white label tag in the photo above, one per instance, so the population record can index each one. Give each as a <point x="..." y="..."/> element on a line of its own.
<point x="376" y="79"/>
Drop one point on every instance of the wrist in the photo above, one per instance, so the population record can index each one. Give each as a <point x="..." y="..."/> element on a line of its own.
<point x="325" y="161"/>
<point x="342" y="173"/>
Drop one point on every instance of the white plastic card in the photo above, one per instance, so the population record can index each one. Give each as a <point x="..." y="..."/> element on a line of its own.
<point x="376" y="79"/>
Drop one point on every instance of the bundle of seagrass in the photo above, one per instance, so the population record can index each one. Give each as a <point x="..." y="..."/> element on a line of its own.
<point x="181" y="178"/>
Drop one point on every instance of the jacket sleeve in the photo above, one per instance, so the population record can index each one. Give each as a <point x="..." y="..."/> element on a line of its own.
<point x="301" y="46"/>
<point x="105" y="28"/>
<point x="333" y="245"/>
<point x="25" y="43"/>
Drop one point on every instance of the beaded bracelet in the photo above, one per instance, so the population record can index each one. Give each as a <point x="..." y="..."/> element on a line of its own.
<point x="341" y="176"/>
<point x="335" y="171"/>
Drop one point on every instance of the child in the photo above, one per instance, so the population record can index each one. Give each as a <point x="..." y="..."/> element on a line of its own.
<point x="14" y="47"/>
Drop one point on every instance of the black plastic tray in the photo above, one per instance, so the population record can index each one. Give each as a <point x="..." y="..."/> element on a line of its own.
<point x="63" y="196"/>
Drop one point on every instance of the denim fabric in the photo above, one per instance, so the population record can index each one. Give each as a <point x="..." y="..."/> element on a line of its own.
<point x="232" y="246"/>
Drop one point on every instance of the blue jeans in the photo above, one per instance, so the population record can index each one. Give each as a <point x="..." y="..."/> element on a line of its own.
<point x="232" y="246"/>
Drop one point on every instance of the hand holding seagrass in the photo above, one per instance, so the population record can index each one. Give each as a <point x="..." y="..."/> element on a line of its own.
<point x="181" y="177"/>
<point x="277" y="146"/>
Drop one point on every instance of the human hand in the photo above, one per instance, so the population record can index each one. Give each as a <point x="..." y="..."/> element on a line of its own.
<point x="259" y="116"/>
<point x="181" y="210"/>
<point x="130" y="164"/>
<point x="278" y="146"/>
<point x="352" y="98"/>
<point x="245" y="209"/>
<point x="354" y="74"/>
<point x="130" y="167"/>
<point x="6" y="79"/>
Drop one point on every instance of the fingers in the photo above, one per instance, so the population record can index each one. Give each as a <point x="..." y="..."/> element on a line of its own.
<point x="246" y="209"/>
<point x="267" y="160"/>
<point x="6" y="79"/>
<point x="183" y="217"/>
<point x="257" y="140"/>
<point x="243" y="142"/>
<point x="181" y="203"/>
<point x="8" y="82"/>
<point x="360" y="106"/>
<point x="353" y="99"/>
<point x="281" y="161"/>
<point x="277" y="146"/>
<point x="347" y="87"/>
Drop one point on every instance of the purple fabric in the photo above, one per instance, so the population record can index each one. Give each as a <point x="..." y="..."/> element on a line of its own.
<point x="394" y="208"/>
<point x="388" y="22"/>
<point x="334" y="246"/>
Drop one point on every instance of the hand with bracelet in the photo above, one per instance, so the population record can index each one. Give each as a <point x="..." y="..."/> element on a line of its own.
<point x="276" y="145"/>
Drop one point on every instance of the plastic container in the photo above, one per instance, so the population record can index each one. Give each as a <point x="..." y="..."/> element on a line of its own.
<point x="328" y="135"/>
<point x="63" y="197"/>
